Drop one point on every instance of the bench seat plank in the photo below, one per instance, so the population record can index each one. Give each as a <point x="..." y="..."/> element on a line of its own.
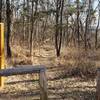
<point x="26" y="69"/>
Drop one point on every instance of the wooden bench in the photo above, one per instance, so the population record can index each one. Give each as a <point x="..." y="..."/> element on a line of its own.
<point x="98" y="85"/>
<point x="29" y="69"/>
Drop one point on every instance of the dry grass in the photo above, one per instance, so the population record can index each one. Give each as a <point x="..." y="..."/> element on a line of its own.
<point x="70" y="77"/>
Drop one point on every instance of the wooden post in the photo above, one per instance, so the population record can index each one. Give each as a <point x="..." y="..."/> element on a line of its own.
<point x="98" y="85"/>
<point x="43" y="86"/>
<point x="1" y="52"/>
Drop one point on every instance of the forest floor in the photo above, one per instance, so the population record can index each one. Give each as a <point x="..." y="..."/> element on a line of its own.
<point x="70" y="77"/>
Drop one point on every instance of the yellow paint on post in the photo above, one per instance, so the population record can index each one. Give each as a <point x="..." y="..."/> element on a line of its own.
<point x="1" y="52"/>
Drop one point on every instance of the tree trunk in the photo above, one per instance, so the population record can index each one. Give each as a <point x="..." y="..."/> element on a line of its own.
<point x="58" y="33"/>
<point x="0" y="10"/>
<point x="78" y="32"/>
<point x="8" y="12"/>
<point x="87" y="28"/>
<point x="31" y="34"/>
<point x="33" y="18"/>
<point x="96" y="34"/>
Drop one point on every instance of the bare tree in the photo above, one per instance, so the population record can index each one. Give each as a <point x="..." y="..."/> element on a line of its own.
<point x="8" y="13"/>
<point x="58" y="33"/>
<point x="0" y="10"/>
<point x="78" y="32"/>
<point x="33" y="18"/>
<point x="96" y="34"/>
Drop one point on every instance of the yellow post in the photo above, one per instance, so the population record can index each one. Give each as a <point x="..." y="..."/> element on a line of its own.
<point x="1" y="52"/>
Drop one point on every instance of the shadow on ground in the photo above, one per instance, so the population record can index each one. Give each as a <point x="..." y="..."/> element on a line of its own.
<point x="53" y="94"/>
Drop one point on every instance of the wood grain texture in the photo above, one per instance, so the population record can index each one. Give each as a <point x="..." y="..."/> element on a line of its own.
<point x="19" y="70"/>
<point x="98" y="85"/>
<point x="43" y="86"/>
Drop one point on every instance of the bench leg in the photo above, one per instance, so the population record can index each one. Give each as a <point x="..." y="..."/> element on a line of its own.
<point x="98" y="86"/>
<point x="43" y="86"/>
